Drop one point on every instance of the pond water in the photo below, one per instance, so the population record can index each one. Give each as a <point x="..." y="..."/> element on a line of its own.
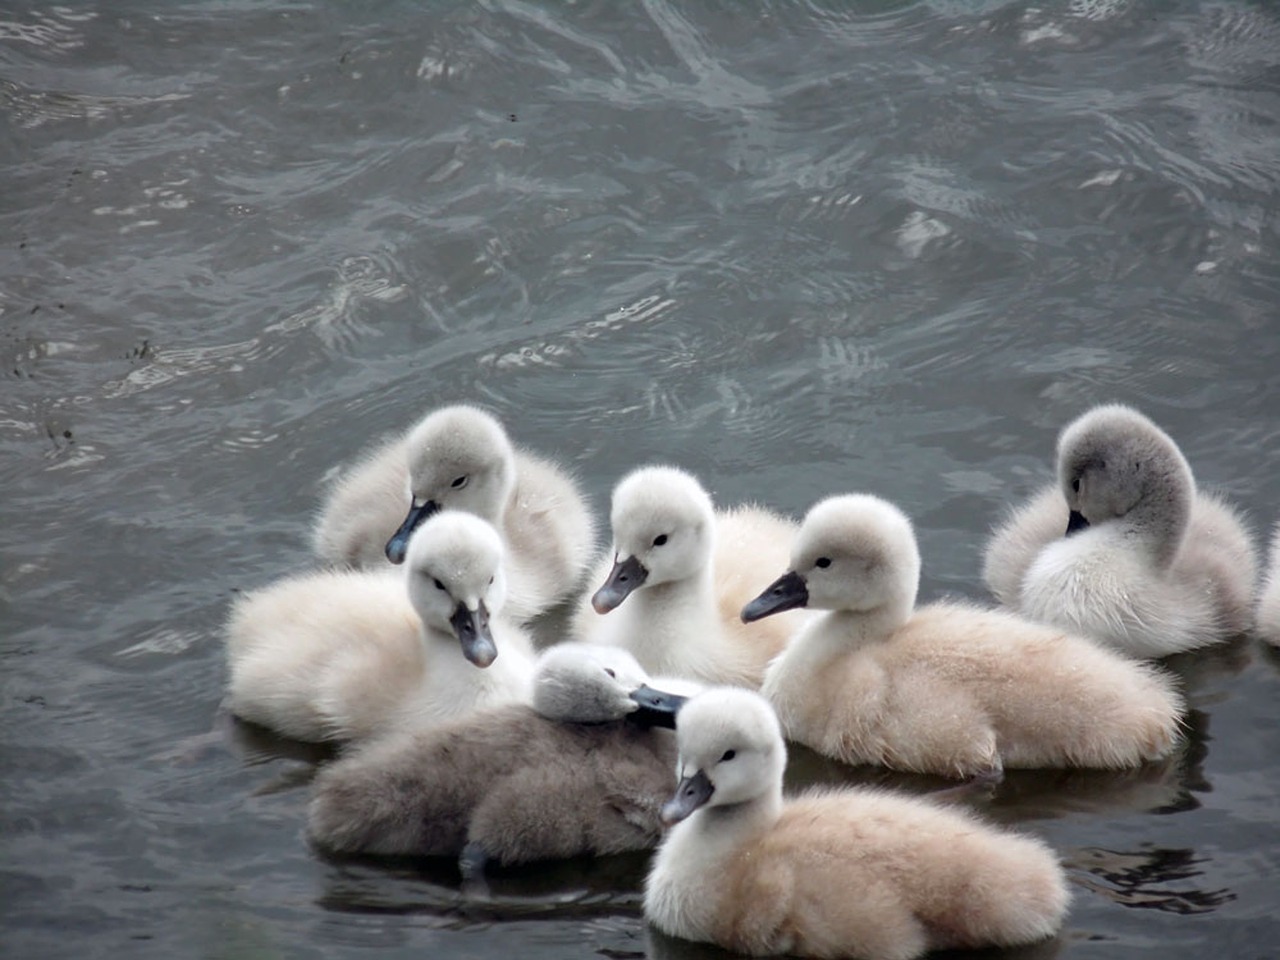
<point x="797" y="248"/>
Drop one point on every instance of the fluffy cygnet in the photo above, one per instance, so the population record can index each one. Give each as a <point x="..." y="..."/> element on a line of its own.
<point x="345" y="654"/>
<point x="573" y="774"/>
<point x="460" y="458"/>
<point x="1124" y="549"/>
<point x="948" y="689"/>
<point x="855" y="873"/>
<point x="1269" y="600"/>
<point x="684" y="570"/>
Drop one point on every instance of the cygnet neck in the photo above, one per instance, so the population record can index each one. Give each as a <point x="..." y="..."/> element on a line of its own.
<point x="1159" y="520"/>
<point x="758" y="812"/>
<point x="674" y="601"/>
<point x="874" y="624"/>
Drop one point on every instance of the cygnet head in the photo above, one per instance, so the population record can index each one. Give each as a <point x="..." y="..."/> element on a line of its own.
<point x="1114" y="462"/>
<point x="663" y="524"/>
<point x="854" y="552"/>
<point x="731" y="752"/>
<point x="460" y="458"/>
<point x="586" y="683"/>
<point x="455" y="579"/>
<point x="597" y="683"/>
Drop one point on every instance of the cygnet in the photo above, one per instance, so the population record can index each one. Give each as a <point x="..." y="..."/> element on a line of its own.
<point x="341" y="655"/>
<point x="460" y="458"/>
<point x="949" y="689"/>
<point x="684" y="570"/>
<point x="854" y="873"/>
<point x="582" y="771"/>
<point x="1125" y="549"/>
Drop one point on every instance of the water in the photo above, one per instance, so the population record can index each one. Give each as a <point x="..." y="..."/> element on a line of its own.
<point x="796" y="248"/>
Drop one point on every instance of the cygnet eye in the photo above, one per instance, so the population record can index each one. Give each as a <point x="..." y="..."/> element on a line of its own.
<point x="728" y="755"/>
<point x="609" y="671"/>
<point x="660" y="539"/>
<point x="459" y="482"/>
<point x="439" y="585"/>
<point x="1075" y="485"/>
<point x="822" y="562"/>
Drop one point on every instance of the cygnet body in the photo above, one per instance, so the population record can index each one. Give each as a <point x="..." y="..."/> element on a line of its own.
<point x="570" y="775"/>
<point x="1269" y="598"/>
<point x="343" y="655"/>
<point x="460" y="458"/>
<point x="948" y="689"/>
<point x="684" y="570"/>
<point x="855" y="873"/>
<point x="1124" y="548"/>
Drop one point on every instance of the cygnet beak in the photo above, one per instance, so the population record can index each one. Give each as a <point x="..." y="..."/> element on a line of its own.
<point x="691" y="793"/>
<point x="472" y="630"/>
<point x="657" y="708"/>
<point x="398" y="545"/>
<point x="625" y="576"/>
<point x="785" y="593"/>
<point x="1076" y="522"/>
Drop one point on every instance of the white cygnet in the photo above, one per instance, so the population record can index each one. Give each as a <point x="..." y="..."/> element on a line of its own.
<point x="684" y="570"/>
<point x="1125" y="549"/>
<point x="854" y="873"/>
<point x="343" y="655"/>
<point x="460" y="458"/>
<point x="949" y="689"/>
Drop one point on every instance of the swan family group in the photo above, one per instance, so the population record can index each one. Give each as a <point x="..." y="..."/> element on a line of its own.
<point x="702" y="641"/>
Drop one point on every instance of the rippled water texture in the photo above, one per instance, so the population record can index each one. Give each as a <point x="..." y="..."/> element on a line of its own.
<point x="796" y="248"/>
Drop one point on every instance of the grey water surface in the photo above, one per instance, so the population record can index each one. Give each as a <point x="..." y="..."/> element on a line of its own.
<point x="798" y="248"/>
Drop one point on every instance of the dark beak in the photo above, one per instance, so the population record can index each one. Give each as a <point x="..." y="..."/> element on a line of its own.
<point x="657" y="708"/>
<point x="398" y="545"/>
<point x="623" y="578"/>
<point x="1076" y="522"/>
<point x="691" y="793"/>
<point x="472" y="630"/>
<point x="785" y="593"/>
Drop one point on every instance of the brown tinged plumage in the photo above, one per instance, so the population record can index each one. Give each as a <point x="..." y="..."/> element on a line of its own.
<point x="949" y="689"/>
<point x="856" y="873"/>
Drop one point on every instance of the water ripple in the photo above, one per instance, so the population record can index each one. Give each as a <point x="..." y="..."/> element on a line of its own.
<point x="797" y="247"/>
<point x="56" y="30"/>
<point x="34" y="108"/>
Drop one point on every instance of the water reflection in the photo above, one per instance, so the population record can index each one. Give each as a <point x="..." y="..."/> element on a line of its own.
<point x="1165" y="786"/>
<point x="1135" y="878"/>
<point x="662" y="947"/>
<point x="431" y="886"/>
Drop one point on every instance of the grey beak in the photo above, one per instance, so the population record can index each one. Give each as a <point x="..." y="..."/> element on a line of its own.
<point x="691" y="793"/>
<point x="785" y="593"/>
<point x="657" y="708"/>
<point x="623" y="578"/>
<point x="1076" y="522"/>
<point x="398" y="545"/>
<point x="472" y="631"/>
